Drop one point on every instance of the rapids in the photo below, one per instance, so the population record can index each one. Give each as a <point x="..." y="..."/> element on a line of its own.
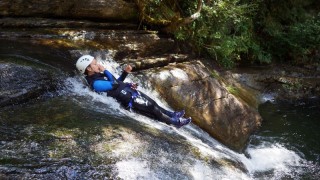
<point x="74" y="133"/>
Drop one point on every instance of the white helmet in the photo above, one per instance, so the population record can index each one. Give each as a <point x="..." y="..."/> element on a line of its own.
<point x="83" y="62"/>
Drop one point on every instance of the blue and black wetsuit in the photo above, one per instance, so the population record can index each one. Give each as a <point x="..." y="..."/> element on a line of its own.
<point x="122" y="92"/>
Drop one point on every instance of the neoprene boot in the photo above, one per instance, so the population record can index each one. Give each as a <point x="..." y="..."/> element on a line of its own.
<point x="178" y="114"/>
<point x="183" y="121"/>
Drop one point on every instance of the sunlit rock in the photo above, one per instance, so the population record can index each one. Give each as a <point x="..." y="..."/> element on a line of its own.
<point x="190" y="86"/>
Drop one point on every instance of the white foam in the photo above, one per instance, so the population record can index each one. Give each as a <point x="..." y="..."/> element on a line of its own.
<point x="198" y="171"/>
<point x="267" y="97"/>
<point x="79" y="89"/>
<point x="134" y="169"/>
<point x="201" y="171"/>
<point x="274" y="157"/>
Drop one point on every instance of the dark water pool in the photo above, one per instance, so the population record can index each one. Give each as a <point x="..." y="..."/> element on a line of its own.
<point x="295" y="126"/>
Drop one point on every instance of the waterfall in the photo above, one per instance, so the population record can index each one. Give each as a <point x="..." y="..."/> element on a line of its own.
<point x="261" y="160"/>
<point x="74" y="133"/>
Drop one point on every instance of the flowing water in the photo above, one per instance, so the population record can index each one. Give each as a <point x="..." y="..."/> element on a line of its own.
<point x="78" y="134"/>
<point x="289" y="131"/>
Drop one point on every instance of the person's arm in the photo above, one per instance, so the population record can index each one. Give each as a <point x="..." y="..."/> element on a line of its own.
<point x="125" y="73"/>
<point x="108" y="75"/>
<point x="102" y="85"/>
<point x="123" y="76"/>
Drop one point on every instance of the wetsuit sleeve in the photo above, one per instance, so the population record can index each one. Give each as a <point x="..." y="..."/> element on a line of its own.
<point x="102" y="85"/>
<point x="108" y="75"/>
<point x="123" y="76"/>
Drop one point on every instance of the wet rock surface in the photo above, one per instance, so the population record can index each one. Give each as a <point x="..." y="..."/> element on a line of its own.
<point x="204" y="97"/>
<point x="71" y="139"/>
<point x="61" y="139"/>
<point x="281" y="83"/>
<point x="21" y="83"/>
<point x="190" y="86"/>
<point x="98" y="9"/>
<point x="226" y="100"/>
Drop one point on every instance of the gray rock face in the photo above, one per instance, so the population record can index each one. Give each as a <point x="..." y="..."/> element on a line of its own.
<point x="21" y="83"/>
<point x="95" y="9"/>
<point x="189" y="86"/>
<point x="285" y="83"/>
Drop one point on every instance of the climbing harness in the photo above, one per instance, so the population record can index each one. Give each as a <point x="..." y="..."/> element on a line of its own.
<point x="134" y="95"/>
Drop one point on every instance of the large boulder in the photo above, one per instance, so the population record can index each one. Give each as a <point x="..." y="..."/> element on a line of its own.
<point x="94" y="9"/>
<point x="19" y="83"/>
<point x="192" y="87"/>
<point x="278" y="83"/>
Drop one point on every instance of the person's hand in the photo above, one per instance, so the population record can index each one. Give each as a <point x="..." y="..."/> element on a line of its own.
<point x="134" y="86"/>
<point x="128" y="69"/>
<point x="101" y="68"/>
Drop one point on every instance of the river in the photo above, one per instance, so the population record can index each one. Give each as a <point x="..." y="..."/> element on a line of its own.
<point x="74" y="133"/>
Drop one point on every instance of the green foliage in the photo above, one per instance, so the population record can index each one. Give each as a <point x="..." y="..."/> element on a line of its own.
<point x="290" y="30"/>
<point x="245" y="31"/>
<point x="296" y="42"/>
<point x="225" y="32"/>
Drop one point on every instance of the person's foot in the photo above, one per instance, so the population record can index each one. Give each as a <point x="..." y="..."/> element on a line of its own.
<point x="183" y="122"/>
<point x="178" y="114"/>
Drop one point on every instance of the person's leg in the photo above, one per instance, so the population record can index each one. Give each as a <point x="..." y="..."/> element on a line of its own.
<point x="175" y="114"/>
<point x="145" y="105"/>
<point x="151" y="101"/>
<point x="148" y="106"/>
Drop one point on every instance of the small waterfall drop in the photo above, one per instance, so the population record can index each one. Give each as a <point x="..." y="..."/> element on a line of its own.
<point x="274" y="160"/>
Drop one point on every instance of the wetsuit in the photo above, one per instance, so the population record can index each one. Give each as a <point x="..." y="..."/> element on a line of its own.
<point x="129" y="97"/>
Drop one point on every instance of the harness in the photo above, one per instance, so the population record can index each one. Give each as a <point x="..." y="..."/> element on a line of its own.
<point x="118" y="89"/>
<point x="134" y="95"/>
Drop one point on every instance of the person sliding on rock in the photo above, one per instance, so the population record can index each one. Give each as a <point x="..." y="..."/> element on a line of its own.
<point x="101" y="80"/>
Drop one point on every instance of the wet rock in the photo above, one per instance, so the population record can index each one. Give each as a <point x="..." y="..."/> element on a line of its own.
<point x="285" y="83"/>
<point x="36" y="22"/>
<point x="157" y="61"/>
<point x="109" y="9"/>
<point x="204" y="97"/>
<point x="190" y="86"/>
<point x="101" y="145"/>
<point x="21" y="83"/>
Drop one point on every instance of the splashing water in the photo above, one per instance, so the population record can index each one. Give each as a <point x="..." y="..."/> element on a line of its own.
<point x="272" y="157"/>
<point x="263" y="160"/>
